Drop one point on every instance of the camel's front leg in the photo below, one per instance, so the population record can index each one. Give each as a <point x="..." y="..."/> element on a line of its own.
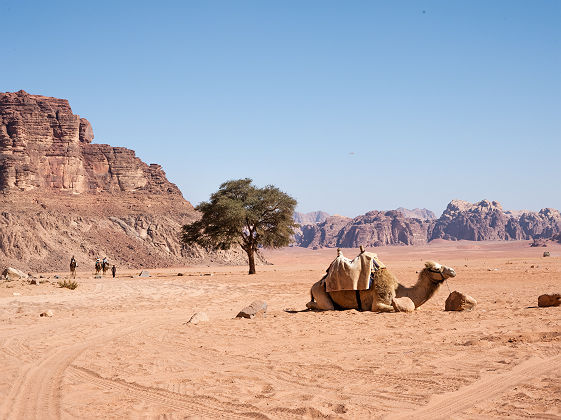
<point x="322" y="300"/>
<point x="381" y="307"/>
<point x="403" y="304"/>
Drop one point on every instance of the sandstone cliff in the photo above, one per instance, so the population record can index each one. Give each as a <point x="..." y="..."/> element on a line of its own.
<point x="374" y="228"/>
<point x="485" y="220"/>
<point x="61" y="195"/>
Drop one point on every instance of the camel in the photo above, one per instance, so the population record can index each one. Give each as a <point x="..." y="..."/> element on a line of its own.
<point x="386" y="294"/>
<point x="97" y="267"/>
<point x="105" y="266"/>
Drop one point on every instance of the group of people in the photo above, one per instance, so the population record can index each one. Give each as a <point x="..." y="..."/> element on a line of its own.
<point x="99" y="265"/>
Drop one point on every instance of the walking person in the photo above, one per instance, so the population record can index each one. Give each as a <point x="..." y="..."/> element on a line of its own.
<point x="73" y="265"/>
<point x="113" y="270"/>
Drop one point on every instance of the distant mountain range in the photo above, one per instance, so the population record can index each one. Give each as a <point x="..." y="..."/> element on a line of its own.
<point x="485" y="220"/>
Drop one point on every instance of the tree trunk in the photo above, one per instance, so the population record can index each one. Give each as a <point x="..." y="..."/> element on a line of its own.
<point x="251" y="259"/>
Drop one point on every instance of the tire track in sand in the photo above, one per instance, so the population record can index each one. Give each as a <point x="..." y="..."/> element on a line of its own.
<point x="204" y="406"/>
<point x="36" y="392"/>
<point x="447" y="405"/>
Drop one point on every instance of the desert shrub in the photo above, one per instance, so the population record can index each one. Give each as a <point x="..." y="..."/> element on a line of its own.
<point x="69" y="284"/>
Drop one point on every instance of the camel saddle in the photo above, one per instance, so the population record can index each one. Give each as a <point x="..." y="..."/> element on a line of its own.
<point x="347" y="274"/>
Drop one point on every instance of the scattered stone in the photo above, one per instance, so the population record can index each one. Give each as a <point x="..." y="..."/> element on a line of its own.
<point x="553" y="299"/>
<point x="198" y="317"/>
<point x="49" y="313"/>
<point x="546" y="254"/>
<point x="257" y="309"/>
<point x="459" y="302"/>
<point x="144" y="273"/>
<point x="11" y="273"/>
<point x="403" y="304"/>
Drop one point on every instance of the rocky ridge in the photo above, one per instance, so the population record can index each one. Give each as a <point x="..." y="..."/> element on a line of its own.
<point x="485" y="220"/>
<point x="62" y="195"/>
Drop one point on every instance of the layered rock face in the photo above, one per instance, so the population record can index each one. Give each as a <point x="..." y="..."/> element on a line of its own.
<point x="43" y="145"/>
<point x="485" y="220"/>
<point x="61" y="195"/>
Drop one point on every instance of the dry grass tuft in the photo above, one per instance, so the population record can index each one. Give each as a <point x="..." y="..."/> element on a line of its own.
<point x="69" y="284"/>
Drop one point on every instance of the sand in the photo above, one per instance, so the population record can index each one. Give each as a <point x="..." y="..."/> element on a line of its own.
<point x="121" y="348"/>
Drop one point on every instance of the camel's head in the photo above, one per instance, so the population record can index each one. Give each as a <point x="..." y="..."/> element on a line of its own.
<point x="438" y="272"/>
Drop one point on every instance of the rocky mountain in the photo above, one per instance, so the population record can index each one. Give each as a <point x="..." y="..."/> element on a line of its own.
<point x="423" y="214"/>
<point x="60" y="194"/>
<point x="485" y="220"/>
<point x="374" y="228"/>
<point x="310" y="218"/>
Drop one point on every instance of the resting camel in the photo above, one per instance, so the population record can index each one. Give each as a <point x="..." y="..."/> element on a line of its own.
<point x="386" y="294"/>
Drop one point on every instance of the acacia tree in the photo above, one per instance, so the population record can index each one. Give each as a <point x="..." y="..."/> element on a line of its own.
<point x="240" y="213"/>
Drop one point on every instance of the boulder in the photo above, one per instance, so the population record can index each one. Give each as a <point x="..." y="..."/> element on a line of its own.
<point x="257" y="309"/>
<point x="403" y="304"/>
<point x="144" y="273"/>
<point x="48" y="313"/>
<point x="198" y="317"/>
<point x="553" y="299"/>
<point x="459" y="302"/>
<point x="11" y="273"/>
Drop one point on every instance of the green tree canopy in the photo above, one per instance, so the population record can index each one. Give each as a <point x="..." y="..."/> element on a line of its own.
<point x="240" y="213"/>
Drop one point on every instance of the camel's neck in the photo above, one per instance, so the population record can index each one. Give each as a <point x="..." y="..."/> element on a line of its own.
<point x="422" y="291"/>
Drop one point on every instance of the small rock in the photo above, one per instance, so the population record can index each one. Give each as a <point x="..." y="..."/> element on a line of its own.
<point x="180" y="274"/>
<point x="11" y="273"/>
<point x="97" y="276"/>
<point x="256" y="309"/>
<point x="403" y="304"/>
<point x="198" y="317"/>
<point x="57" y="277"/>
<point x="48" y="313"/>
<point x="144" y="273"/>
<point x="205" y="274"/>
<point x="33" y="281"/>
<point x="553" y="299"/>
<point x="459" y="302"/>
<point x="546" y="254"/>
<point x="16" y="294"/>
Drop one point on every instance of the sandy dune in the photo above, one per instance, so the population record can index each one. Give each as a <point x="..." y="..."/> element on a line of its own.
<point x="120" y="348"/>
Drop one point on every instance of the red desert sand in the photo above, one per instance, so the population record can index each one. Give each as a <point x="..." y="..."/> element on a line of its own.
<point x="122" y="348"/>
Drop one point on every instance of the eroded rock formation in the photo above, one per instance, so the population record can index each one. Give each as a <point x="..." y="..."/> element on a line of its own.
<point x="485" y="220"/>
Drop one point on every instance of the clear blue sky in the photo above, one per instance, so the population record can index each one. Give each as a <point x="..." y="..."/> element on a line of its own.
<point x="348" y="106"/>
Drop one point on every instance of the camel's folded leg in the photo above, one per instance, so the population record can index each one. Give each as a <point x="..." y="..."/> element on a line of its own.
<point x="381" y="307"/>
<point x="403" y="304"/>
<point x="322" y="300"/>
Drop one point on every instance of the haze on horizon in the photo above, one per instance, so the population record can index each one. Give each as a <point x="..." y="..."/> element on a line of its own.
<point x="346" y="106"/>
